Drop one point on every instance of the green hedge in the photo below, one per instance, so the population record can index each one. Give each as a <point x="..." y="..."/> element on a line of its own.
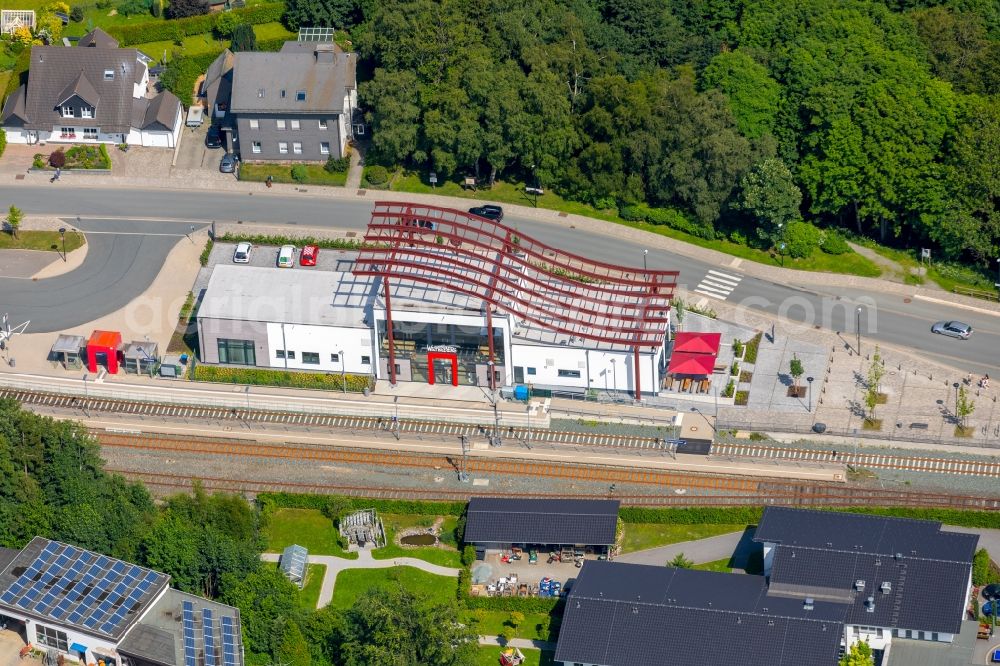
<point x="411" y="507"/>
<point x="261" y="239"/>
<point x="19" y="75"/>
<point x="668" y="217"/>
<point x="287" y="378"/>
<point x="3" y="141"/>
<point x="183" y="71"/>
<point x="751" y="515"/>
<point x="168" y="31"/>
<point x="512" y="604"/>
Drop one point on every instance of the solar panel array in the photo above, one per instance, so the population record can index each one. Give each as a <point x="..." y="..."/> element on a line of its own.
<point x="228" y="642"/>
<point x="208" y="627"/>
<point x="189" y="654"/>
<point x="82" y="588"/>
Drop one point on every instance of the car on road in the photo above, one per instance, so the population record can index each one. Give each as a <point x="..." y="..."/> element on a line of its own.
<point x="286" y="256"/>
<point x="213" y="139"/>
<point x="489" y="211"/>
<point x="991" y="591"/>
<point x="242" y="253"/>
<point x="228" y="163"/>
<point x="309" y="255"/>
<point x="954" y="329"/>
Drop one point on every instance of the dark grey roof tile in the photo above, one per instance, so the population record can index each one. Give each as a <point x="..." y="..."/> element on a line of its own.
<point x="542" y="521"/>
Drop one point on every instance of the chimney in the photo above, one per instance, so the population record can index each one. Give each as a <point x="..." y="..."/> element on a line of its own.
<point x="325" y="53"/>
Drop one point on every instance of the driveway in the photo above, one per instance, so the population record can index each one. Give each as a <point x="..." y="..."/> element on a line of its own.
<point x="123" y="258"/>
<point x="736" y="545"/>
<point x="24" y="263"/>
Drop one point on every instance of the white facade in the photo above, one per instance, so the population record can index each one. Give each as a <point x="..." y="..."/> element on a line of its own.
<point x="586" y="369"/>
<point x="335" y="349"/>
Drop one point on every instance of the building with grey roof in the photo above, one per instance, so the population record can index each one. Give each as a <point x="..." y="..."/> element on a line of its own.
<point x="91" y="608"/>
<point x="497" y="523"/>
<point x="900" y="578"/>
<point x="295" y="105"/>
<point x="639" y="615"/>
<point x="92" y="93"/>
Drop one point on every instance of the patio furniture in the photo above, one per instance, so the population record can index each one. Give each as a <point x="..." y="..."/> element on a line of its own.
<point x="686" y="385"/>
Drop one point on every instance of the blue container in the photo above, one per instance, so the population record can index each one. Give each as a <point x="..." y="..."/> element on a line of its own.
<point x="521" y="392"/>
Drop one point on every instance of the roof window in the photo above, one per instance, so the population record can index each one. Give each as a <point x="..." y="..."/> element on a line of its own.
<point x="109" y="75"/>
<point x="300" y="95"/>
<point x="260" y="93"/>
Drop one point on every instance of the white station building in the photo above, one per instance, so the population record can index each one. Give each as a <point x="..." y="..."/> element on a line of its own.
<point x="418" y="301"/>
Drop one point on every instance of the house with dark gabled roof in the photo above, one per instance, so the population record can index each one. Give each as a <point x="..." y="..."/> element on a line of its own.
<point x="93" y="93"/>
<point x="900" y="578"/>
<point x="639" y="615"/>
<point x="296" y="105"/>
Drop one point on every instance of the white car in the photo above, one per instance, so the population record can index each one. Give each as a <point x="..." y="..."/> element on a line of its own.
<point x="286" y="256"/>
<point x="242" y="253"/>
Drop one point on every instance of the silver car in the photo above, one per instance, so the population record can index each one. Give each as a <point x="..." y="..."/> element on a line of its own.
<point x="242" y="253"/>
<point x="954" y="329"/>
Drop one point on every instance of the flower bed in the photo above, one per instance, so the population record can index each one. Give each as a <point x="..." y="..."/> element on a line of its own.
<point x="78" y="157"/>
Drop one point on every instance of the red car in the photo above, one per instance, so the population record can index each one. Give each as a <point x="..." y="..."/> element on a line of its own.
<point x="308" y="255"/>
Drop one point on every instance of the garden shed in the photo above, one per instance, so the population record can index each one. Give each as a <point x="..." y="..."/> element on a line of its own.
<point x="293" y="564"/>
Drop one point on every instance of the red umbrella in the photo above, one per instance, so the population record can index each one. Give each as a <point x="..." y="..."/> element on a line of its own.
<point x="697" y="343"/>
<point x="691" y="364"/>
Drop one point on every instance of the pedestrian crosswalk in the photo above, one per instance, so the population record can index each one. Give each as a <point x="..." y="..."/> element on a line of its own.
<point x="718" y="285"/>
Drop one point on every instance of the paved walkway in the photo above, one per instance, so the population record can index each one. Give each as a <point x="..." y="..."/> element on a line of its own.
<point x="698" y="551"/>
<point x="334" y="565"/>
<point x="523" y="643"/>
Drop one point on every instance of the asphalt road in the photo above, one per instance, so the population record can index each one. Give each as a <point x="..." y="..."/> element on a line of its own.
<point x="886" y="318"/>
<point x="123" y="258"/>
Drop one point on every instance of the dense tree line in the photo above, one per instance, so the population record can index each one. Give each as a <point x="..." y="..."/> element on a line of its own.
<point x="53" y="484"/>
<point x="881" y="118"/>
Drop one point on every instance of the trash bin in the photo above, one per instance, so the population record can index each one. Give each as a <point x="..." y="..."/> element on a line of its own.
<point x="520" y="392"/>
<point x="819" y="428"/>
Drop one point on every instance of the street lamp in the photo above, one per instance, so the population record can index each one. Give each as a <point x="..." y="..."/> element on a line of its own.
<point x="395" y="417"/>
<point x="644" y="253"/>
<point x="614" y="378"/>
<point x="343" y="371"/>
<point x="857" y="312"/>
<point x="62" y="237"/>
<point x="86" y="396"/>
<point x="781" y="254"/>
<point x="956" y="385"/>
<point x="997" y="285"/>
<point x="810" y="380"/>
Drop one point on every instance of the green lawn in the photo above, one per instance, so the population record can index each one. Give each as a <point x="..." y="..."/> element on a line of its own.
<point x="352" y="583"/>
<point x="446" y="556"/>
<point x="851" y="264"/>
<point x="282" y="173"/>
<point x="206" y="43"/>
<point x="717" y="565"/>
<point x="306" y="527"/>
<point x="489" y="655"/>
<point x="494" y="622"/>
<point x="40" y="240"/>
<point x="640" y="536"/>
<point x="309" y="595"/>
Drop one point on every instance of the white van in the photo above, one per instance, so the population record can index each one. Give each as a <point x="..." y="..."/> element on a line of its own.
<point x="195" y="117"/>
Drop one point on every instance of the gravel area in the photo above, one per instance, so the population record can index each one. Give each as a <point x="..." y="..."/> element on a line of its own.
<point x="863" y="447"/>
<point x="594" y="427"/>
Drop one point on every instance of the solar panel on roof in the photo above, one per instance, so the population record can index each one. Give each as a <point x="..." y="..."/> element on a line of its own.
<point x="103" y="561"/>
<point x="51" y="547"/>
<point x="7" y="597"/>
<point x="90" y="622"/>
<point x="208" y="631"/>
<point x="75" y="616"/>
<point x="118" y="567"/>
<point x="62" y="560"/>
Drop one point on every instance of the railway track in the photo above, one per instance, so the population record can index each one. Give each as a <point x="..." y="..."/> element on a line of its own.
<point x="984" y="468"/>
<point x="668" y="488"/>
<point x="790" y="496"/>
<point x="326" y="421"/>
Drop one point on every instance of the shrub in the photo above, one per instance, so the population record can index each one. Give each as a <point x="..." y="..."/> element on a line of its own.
<point x="665" y="217"/>
<point x="376" y="175"/>
<point x="225" y="23"/>
<point x="133" y="7"/>
<point x="801" y="238"/>
<point x="185" y="8"/>
<point x="245" y="39"/>
<point x="337" y="164"/>
<point x="832" y="242"/>
<point x="3" y="141"/>
<point x="981" y="567"/>
<point x="752" y="348"/>
<point x="76" y="14"/>
<point x="728" y="392"/>
<point x="168" y="31"/>
<point x="104" y="4"/>
<point x="326" y="243"/>
<point x="57" y="159"/>
<point x="183" y="71"/>
<point x="742" y="398"/>
<point x="300" y="173"/>
<point x="206" y="253"/>
<point x="156" y="9"/>
<point x="298" y="379"/>
<point x="269" y="501"/>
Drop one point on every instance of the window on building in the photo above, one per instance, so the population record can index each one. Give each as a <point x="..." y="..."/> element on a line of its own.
<point x="67" y="131"/>
<point x="934" y="636"/>
<point x="532" y="371"/>
<point x="297" y="148"/>
<point x="282" y="147"/>
<point x="254" y="123"/>
<point x="90" y="133"/>
<point x="291" y="355"/>
<point x="282" y="93"/>
<point x="569" y="373"/>
<point x="324" y="147"/>
<point x="334" y="358"/>
<point x="279" y="353"/>
<point x="237" y="352"/>
<point x="366" y="360"/>
<point x="86" y="112"/>
<point x="260" y="93"/>
<point x="322" y="123"/>
<point x="300" y="95"/>
<point x="295" y="125"/>
<point x="52" y="638"/>
<point x="67" y="112"/>
<point x="109" y="75"/>
<point x="255" y="146"/>
<point x="310" y="358"/>
<point x="281" y="124"/>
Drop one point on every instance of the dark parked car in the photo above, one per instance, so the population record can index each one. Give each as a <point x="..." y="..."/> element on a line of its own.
<point x="228" y="163"/>
<point x="954" y="329"/>
<point x="991" y="591"/>
<point x="214" y="138"/>
<point x="987" y="608"/>
<point x="489" y="211"/>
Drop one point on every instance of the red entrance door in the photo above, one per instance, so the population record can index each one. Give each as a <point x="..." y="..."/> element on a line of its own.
<point x="446" y="356"/>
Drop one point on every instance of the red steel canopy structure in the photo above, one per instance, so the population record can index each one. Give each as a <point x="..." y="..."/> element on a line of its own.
<point x="555" y="290"/>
